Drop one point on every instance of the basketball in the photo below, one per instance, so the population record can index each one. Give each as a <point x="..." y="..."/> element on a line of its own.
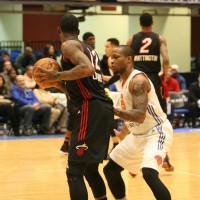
<point x="46" y="63"/>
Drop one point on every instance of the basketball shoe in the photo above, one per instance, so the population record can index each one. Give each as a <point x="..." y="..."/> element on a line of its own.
<point x="65" y="148"/>
<point x="166" y="164"/>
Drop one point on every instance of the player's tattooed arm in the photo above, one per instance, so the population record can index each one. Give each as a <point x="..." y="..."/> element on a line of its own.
<point x="139" y="87"/>
<point x="73" y="51"/>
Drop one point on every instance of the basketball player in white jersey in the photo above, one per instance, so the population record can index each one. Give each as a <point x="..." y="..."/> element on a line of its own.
<point x="149" y="134"/>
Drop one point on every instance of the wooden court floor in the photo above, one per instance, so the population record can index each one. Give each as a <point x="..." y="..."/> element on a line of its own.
<point x="33" y="169"/>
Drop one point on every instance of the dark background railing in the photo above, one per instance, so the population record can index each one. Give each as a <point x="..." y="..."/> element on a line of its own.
<point x="20" y="45"/>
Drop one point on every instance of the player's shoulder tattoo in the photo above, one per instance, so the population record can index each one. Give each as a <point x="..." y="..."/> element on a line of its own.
<point x="138" y="87"/>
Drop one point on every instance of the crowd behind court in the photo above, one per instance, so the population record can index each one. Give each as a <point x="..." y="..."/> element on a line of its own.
<point x="22" y="101"/>
<point x="28" y="103"/>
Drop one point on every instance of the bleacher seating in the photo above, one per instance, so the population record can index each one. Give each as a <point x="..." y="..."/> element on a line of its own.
<point x="14" y="53"/>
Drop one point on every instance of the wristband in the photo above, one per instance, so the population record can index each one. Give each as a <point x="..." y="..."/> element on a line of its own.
<point x="59" y="77"/>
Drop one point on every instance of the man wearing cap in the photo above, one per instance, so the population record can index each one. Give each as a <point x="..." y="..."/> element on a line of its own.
<point x="178" y="77"/>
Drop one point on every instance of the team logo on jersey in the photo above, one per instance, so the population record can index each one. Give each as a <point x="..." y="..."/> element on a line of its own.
<point x="81" y="149"/>
<point x="159" y="159"/>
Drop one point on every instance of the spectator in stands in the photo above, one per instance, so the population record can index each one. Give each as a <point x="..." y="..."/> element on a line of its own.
<point x="12" y="76"/>
<point x="166" y="96"/>
<point x="5" y="57"/>
<point x="172" y="83"/>
<point x="58" y="111"/>
<point x="49" y="51"/>
<point x="7" y="66"/>
<point x="30" y="107"/>
<point x="178" y="77"/>
<point x="25" y="59"/>
<point x="89" y="39"/>
<point x="7" y="108"/>
<point x="28" y="77"/>
<point x="194" y="100"/>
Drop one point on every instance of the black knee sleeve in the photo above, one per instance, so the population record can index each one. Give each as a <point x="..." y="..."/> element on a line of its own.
<point x="158" y="188"/>
<point x="77" y="187"/>
<point x="113" y="176"/>
<point x="95" y="181"/>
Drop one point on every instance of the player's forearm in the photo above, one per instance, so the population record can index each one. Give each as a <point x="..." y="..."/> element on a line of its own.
<point x="78" y="72"/>
<point x="134" y="115"/>
<point x="165" y="69"/>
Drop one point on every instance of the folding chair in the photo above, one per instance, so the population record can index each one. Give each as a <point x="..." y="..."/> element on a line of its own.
<point x="181" y="112"/>
<point x="5" y="125"/>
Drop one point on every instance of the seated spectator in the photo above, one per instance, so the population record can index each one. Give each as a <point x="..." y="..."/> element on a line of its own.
<point x="178" y="77"/>
<point x="12" y="76"/>
<point x="7" y="108"/>
<point x="28" y="77"/>
<point x="49" y="51"/>
<point x="194" y="100"/>
<point x="5" y="57"/>
<point x="25" y="59"/>
<point x="166" y="97"/>
<point x="172" y="83"/>
<point x="58" y="111"/>
<point x="30" y="107"/>
<point x="7" y="66"/>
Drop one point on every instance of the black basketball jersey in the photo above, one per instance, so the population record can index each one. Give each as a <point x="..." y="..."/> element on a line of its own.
<point x="146" y="47"/>
<point x="89" y="87"/>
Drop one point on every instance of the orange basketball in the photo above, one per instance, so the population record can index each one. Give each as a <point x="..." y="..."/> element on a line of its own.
<point x="46" y="63"/>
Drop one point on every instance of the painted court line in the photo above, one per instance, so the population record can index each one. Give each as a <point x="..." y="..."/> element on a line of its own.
<point x="187" y="173"/>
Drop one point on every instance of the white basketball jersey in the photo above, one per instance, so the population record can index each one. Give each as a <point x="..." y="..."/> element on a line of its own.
<point x="154" y="114"/>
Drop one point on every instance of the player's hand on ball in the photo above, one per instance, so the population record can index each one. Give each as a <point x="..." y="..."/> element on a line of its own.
<point x="50" y="75"/>
<point x="45" y="73"/>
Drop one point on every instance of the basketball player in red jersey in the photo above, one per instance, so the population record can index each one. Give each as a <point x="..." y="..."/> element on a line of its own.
<point x="92" y="124"/>
<point x="148" y="46"/>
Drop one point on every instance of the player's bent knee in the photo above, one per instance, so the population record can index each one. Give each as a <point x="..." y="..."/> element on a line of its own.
<point x="112" y="169"/>
<point x="149" y="173"/>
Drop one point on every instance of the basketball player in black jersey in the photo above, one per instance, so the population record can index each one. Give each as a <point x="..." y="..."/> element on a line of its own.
<point x="89" y="39"/>
<point x="92" y="125"/>
<point x="147" y="46"/>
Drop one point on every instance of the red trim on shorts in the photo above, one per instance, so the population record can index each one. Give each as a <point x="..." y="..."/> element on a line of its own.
<point x="84" y="121"/>
<point x="83" y="89"/>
